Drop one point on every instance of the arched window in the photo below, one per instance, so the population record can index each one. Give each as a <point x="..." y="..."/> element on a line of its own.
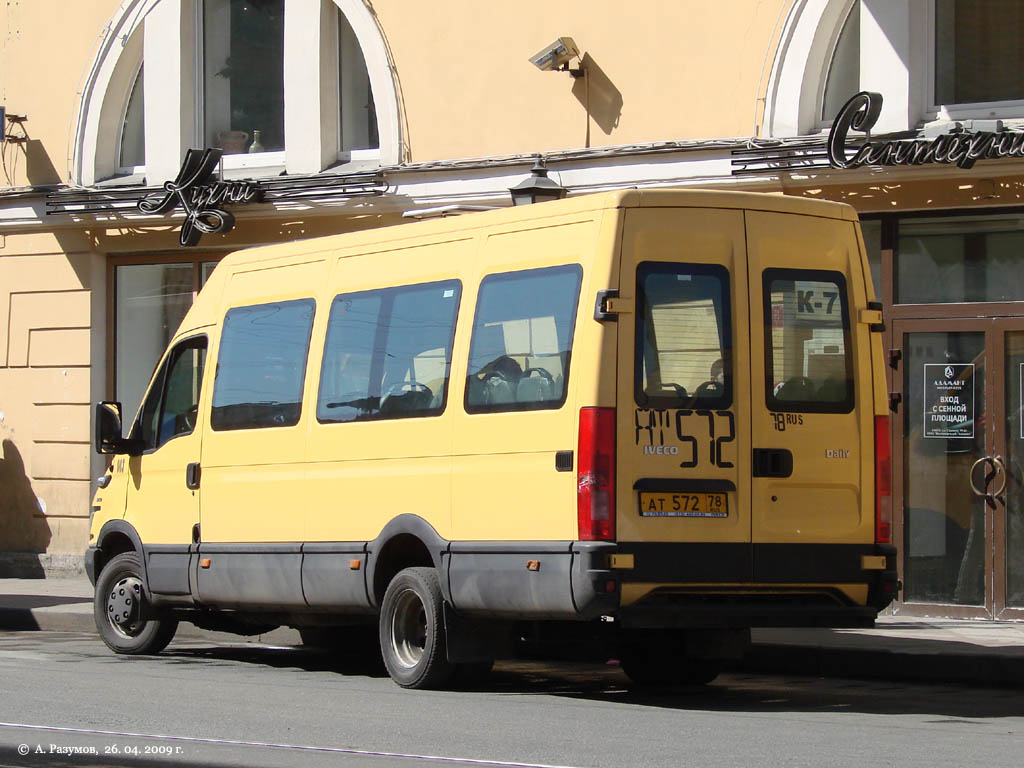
<point x="932" y="60"/>
<point x="297" y="86"/>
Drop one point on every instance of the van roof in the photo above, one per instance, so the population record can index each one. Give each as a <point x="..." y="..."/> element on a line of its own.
<point x="630" y="198"/>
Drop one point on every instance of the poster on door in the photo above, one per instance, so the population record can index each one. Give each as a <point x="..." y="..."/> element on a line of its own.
<point x="949" y="400"/>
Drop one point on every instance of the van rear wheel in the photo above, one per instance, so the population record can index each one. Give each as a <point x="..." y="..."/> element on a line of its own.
<point x="412" y="635"/>
<point x="661" y="662"/>
<point x="121" y="610"/>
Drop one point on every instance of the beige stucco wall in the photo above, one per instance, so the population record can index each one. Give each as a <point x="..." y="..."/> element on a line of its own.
<point x="46" y="346"/>
<point x="678" y="70"/>
<point x="48" y="46"/>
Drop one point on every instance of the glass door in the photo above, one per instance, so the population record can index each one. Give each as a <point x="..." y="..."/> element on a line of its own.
<point x="1009" y="512"/>
<point x="958" y="463"/>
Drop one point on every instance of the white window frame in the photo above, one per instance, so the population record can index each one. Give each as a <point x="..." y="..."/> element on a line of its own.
<point x="272" y="162"/>
<point x="979" y="110"/>
<point x="897" y="60"/>
<point x="167" y="31"/>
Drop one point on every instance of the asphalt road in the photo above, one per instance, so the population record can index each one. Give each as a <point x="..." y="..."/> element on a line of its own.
<point x="68" y="701"/>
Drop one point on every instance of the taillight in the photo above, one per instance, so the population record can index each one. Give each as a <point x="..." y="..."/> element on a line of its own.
<point x="595" y="475"/>
<point x="883" y="481"/>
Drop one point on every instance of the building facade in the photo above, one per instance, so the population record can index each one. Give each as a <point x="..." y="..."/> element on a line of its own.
<point x="337" y="115"/>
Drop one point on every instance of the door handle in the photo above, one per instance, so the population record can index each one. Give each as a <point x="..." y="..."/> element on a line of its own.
<point x="192" y="475"/>
<point x="997" y="469"/>
<point x="772" y="462"/>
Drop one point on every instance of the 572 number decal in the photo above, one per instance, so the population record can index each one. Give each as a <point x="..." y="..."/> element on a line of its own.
<point x="653" y="424"/>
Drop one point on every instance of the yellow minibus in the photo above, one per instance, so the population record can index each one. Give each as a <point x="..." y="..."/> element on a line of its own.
<point x="630" y="425"/>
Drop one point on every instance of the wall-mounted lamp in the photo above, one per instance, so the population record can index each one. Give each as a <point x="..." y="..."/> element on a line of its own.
<point x="556" y="57"/>
<point x="538" y="188"/>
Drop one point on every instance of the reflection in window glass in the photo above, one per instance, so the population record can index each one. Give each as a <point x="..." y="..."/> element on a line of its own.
<point x="133" y="132"/>
<point x="243" y="59"/>
<point x="172" y="405"/>
<point x="522" y="338"/>
<point x="843" y="79"/>
<point x="151" y="302"/>
<point x="262" y="365"/>
<point x="950" y="261"/>
<point x="684" y="345"/>
<point x="181" y="391"/>
<point x="388" y="353"/>
<point x="978" y="55"/>
<point x="808" y="365"/>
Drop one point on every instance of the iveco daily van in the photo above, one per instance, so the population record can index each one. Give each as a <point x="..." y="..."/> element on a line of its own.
<point x="634" y="424"/>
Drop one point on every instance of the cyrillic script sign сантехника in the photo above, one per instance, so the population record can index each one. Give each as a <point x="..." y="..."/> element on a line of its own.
<point x="961" y="148"/>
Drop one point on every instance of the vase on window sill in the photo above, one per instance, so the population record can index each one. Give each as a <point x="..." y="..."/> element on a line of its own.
<point x="232" y="142"/>
<point x="257" y="145"/>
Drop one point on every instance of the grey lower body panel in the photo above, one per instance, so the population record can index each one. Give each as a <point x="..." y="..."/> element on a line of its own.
<point x="250" y="576"/>
<point x="334" y="577"/>
<point x="531" y="580"/>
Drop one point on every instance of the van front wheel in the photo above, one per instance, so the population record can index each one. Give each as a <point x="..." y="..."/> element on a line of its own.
<point x="412" y="638"/>
<point x="121" y="611"/>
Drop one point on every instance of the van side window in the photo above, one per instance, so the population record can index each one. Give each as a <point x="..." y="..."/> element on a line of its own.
<point x="807" y="348"/>
<point x="172" y="404"/>
<point x="388" y="353"/>
<point x="683" y="336"/>
<point x="522" y="340"/>
<point x="261" y="365"/>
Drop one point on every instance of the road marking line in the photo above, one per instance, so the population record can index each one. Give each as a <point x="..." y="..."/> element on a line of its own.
<point x="270" y="745"/>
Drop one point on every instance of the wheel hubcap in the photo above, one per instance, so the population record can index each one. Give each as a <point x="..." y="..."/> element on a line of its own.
<point x="409" y="629"/>
<point x="124" y="606"/>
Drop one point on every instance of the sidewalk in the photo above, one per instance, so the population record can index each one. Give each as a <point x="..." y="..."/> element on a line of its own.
<point x="898" y="648"/>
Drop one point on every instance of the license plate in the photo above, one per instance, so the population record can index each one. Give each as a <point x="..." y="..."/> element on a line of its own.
<point x="684" y="505"/>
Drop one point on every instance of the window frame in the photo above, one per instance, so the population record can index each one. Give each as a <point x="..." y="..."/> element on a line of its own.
<point x="158" y="389"/>
<point x="640" y="397"/>
<point x="240" y="160"/>
<point x="131" y="170"/>
<point x="984" y="110"/>
<point x="391" y="292"/>
<point x="311" y="302"/>
<point x="768" y="276"/>
<point x="544" y="405"/>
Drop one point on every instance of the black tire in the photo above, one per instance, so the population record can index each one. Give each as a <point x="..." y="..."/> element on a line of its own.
<point x="412" y="638"/>
<point x="121" y="610"/>
<point x="659" y="664"/>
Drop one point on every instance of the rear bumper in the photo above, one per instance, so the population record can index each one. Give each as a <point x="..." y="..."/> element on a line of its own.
<point x="757" y="585"/>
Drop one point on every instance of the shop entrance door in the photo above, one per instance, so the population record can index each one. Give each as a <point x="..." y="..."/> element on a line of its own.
<point x="958" y="462"/>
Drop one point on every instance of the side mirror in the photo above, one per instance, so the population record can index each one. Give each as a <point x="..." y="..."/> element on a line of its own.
<point x="108" y="437"/>
<point x="108" y="428"/>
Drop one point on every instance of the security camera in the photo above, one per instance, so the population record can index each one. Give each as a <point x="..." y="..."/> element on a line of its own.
<point x="557" y="55"/>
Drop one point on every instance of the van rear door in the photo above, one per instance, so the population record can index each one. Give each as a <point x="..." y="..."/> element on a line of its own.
<point x="810" y="367"/>
<point x="683" y="398"/>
